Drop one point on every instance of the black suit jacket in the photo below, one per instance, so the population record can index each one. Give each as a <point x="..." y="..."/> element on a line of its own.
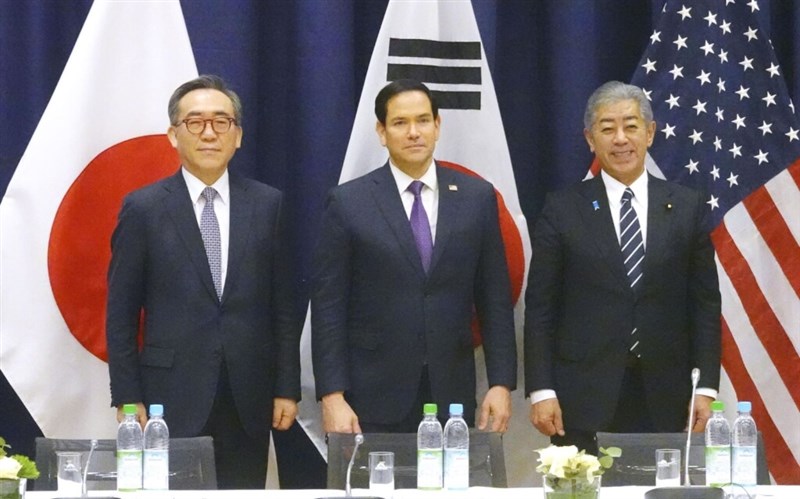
<point x="377" y="318"/>
<point x="580" y="308"/>
<point x="159" y="280"/>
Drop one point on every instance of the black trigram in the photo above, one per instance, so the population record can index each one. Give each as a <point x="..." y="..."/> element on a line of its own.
<point x="439" y="74"/>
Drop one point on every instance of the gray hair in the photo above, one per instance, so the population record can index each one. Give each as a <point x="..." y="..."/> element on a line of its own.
<point x="212" y="82"/>
<point x="615" y="91"/>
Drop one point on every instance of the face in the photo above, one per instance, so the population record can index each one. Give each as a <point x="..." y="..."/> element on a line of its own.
<point x="619" y="137"/>
<point x="206" y="156"/>
<point x="410" y="132"/>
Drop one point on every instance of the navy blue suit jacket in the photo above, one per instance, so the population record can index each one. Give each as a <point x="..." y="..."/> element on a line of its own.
<point x="159" y="273"/>
<point x="580" y="308"/>
<point x="377" y="318"/>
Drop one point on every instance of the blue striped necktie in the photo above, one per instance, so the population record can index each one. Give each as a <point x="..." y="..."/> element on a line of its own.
<point x="632" y="246"/>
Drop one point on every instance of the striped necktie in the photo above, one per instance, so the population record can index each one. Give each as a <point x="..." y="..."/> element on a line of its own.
<point x="632" y="246"/>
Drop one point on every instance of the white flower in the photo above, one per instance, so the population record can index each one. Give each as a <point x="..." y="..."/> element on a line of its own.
<point x="555" y="458"/>
<point x="9" y="467"/>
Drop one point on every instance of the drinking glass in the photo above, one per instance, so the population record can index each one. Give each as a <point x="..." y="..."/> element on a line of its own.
<point x="668" y="467"/>
<point x="381" y="473"/>
<point x="69" y="473"/>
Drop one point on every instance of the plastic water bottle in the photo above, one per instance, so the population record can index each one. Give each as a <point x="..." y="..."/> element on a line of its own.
<point x="718" y="447"/>
<point x="156" y="450"/>
<point x="429" y="450"/>
<point x="456" y="450"/>
<point x="129" y="451"/>
<point x="745" y="439"/>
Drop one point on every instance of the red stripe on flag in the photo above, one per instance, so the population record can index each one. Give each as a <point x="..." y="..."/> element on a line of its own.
<point x="762" y="318"/>
<point x="794" y="171"/>
<point x="776" y="234"/>
<point x="782" y="464"/>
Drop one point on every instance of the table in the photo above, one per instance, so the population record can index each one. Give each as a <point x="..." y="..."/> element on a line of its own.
<point x="770" y="491"/>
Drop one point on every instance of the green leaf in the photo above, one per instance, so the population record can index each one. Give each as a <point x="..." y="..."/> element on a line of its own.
<point x="611" y="451"/>
<point x="3" y="446"/>
<point x="606" y="461"/>
<point x="28" y="469"/>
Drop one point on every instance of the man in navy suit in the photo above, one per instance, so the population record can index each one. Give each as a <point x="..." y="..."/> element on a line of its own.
<point x="198" y="265"/>
<point x="622" y="299"/>
<point x="406" y="254"/>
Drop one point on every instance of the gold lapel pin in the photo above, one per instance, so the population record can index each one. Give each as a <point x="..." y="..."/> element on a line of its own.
<point x="452" y="187"/>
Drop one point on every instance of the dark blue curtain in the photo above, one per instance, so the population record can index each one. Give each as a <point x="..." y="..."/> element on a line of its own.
<point x="299" y="66"/>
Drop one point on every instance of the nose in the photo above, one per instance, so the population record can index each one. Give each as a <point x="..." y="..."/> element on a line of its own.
<point x="619" y="136"/>
<point x="412" y="130"/>
<point x="208" y="130"/>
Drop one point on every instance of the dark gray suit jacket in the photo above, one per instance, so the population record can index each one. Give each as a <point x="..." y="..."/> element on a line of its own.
<point x="377" y="318"/>
<point x="159" y="281"/>
<point x="580" y="308"/>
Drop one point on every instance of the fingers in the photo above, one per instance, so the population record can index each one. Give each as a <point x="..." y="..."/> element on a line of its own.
<point x="546" y="417"/>
<point x="284" y="413"/>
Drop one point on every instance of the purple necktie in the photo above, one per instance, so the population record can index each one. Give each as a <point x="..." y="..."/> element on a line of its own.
<point x="420" y="226"/>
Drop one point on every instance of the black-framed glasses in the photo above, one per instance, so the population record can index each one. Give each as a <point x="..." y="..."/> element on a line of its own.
<point x="220" y="124"/>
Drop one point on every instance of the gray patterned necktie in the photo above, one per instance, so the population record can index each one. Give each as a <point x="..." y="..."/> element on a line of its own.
<point x="209" y="229"/>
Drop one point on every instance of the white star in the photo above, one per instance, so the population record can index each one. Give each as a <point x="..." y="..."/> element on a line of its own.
<point x="720" y="114"/>
<point x="668" y="130"/>
<point x="692" y="166"/>
<point x="704" y="77"/>
<point x="708" y="48"/>
<point x="723" y="56"/>
<point x="773" y="70"/>
<point x="753" y="6"/>
<point x="655" y="37"/>
<point x="791" y="105"/>
<point x="751" y="34"/>
<point x="743" y="92"/>
<point x="725" y="27"/>
<point x="700" y="107"/>
<point x="711" y="18"/>
<point x="685" y="12"/>
<point x="673" y="101"/>
<point x="696" y="136"/>
<point x="761" y="157"/>
<point x="715" y="172"/>
<point x="720" y="85"/>
<point x="792" y="134"/>
<point x="728" y="2"/>
<point x="680" y="42"/>
<point x="717" y="143"/>
<point x="676" y="72"/>
<point x="735" y="150"/>
<point x="747" y="63"/>
<point x="713" y="202"/>
<point x="765" y="128"/>
<point x="739" y="122"/>
<point x="733" y="180"/>
<point x="647" y="93"/>
<point x="769" y="99"/>
<point x="649" y="65"/>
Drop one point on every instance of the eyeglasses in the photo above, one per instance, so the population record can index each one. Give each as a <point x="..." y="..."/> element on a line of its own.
<point x="220" y="124"/>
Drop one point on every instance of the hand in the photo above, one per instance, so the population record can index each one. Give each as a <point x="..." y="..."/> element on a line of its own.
<point x="497" y="406"/>
<point x="141" y="414"/>
<point x="702" y="411"/>
<point x="337" y="415"/>
<point x="546" y="417"/>
<point x="284" y="412"/>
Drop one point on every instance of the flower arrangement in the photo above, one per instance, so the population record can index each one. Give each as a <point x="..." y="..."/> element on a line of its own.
<point x="13" y="470"/>
<point x="569" y="473"/>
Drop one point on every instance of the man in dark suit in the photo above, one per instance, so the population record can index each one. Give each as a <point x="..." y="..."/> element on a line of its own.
<point x="622" y="299"/>
<point x="406" y="254"/>
<point x="198" y="264"/>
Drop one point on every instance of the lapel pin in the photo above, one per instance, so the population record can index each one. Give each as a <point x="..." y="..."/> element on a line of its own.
<point x="452" y="187"/>
<point x="668" y="206"/>
<point x="596" y="205"/>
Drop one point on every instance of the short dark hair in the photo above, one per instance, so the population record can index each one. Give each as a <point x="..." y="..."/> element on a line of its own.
<point x="212" y="82"/>
<point x="397" y="87"/>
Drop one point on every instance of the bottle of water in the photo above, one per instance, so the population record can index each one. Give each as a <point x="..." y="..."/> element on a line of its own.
<point x="156" y="450"/>
<point x="745" y="439"/>
<point x="718" y="447"/>
<point x="456" y="450"/>
<point x="429" y="450"/>
<point x="129" y="451"/>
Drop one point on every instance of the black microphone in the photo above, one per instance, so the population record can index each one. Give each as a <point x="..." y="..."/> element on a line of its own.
<point x="687" y="491"/>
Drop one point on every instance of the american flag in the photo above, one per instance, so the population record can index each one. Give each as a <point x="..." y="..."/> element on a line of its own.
<point x="727" y="127"/>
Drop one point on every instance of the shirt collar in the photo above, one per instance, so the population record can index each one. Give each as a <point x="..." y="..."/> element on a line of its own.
<point x="403" y="180"/>
<point x="615" y="188"/>
<point x="196" y="186"/>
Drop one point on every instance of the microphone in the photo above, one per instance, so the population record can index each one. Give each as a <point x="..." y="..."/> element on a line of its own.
<point x="359" y="439"/>
<point x="687" y="491"/>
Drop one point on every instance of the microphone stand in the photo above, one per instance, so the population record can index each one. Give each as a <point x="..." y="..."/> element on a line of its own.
<point x="85" y="484"/>
<point x="358" y="439"/>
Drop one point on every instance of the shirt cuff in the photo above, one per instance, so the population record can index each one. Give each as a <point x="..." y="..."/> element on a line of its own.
<point x="540" y="395"/>
<point x="708" y="392"/>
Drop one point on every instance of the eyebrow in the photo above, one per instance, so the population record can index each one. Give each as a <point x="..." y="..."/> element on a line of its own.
<point x="216" y="113"/>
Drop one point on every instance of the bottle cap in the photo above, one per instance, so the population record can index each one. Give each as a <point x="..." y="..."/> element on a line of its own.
<point x="456" y="410"/>
<point x="156" y="410"/>
<point x="744" y="406"/>
<point x="129" y="409"/>
<point x="717" y="405"/>
<point x="430" y="409"/>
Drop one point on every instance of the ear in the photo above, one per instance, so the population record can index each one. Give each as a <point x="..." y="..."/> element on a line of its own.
<point x="381" y="131"/>
<point x="172" y="136"/>
<point x="437" y="124"/>
<point x="239" y="133"/>
<point x="587" y="134"/>
<point x="651" y="133"/>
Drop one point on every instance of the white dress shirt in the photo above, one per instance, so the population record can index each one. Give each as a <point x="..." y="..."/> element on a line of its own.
<point x="429" y="193"/>
<point x="222" y="208"/>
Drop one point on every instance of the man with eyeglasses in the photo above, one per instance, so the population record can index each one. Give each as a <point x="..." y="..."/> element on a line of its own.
<point x="199" y="268"/>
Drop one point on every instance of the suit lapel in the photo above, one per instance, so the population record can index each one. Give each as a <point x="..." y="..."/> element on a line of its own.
<point x="448" y="213"/>
<point x="241" y="213"/>
<point x="659" y="223"/>
<point x="181" y="210"/>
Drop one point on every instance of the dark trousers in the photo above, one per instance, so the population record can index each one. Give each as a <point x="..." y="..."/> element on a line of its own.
<point x="631" y="415"/>
<point x="241" y="460"/>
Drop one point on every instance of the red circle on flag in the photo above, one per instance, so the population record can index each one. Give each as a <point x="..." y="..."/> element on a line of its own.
<point x="79" y="250"/>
